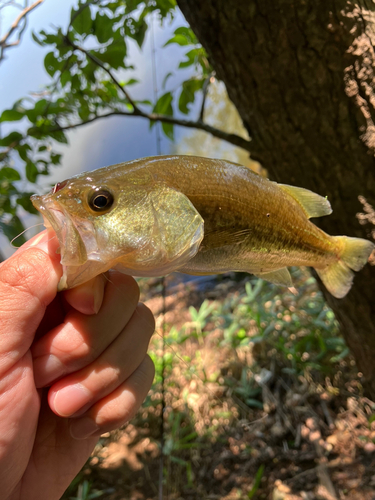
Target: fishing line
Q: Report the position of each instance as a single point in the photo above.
(23, 232)
(163, 283)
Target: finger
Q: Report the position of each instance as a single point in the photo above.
(88, 297)
(28, 283)
(80, 390)
(117, 408)
(81, 338)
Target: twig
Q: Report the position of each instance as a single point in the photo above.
(220, 134)
(234, 139)
(205, 91)
(327, 415)
(322, 469)
(4, 41)
(99, 63)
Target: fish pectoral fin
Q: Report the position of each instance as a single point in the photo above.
(218, 238)
(313, 204)
(279, 277)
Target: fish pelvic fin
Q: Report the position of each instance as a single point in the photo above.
(353, 255)
(312, 204)
(279, 277)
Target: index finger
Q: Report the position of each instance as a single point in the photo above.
(28, 283)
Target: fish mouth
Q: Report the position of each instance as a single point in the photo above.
(72, 248)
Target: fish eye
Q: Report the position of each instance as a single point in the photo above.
(101, 200)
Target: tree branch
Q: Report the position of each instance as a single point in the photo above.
(234, 139)
(16, 24)
(99, 63)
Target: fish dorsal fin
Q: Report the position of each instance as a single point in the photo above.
(313, 204)
(279, 277)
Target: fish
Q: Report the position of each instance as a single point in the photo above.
(156, 215)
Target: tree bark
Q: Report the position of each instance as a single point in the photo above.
(301, 74)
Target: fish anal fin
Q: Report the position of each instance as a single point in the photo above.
(279, 277)
(313, 204)
(337, 278)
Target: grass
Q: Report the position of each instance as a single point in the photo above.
(222, 367)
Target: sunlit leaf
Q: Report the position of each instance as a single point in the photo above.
(187, 96)
(179, 39)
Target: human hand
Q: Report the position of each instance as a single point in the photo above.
(72, 366)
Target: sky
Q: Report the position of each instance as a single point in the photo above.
(107, 141)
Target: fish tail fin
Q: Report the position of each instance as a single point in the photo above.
(353, 255)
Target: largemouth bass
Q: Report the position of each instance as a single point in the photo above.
(156, 215)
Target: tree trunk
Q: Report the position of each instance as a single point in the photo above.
(301, 74)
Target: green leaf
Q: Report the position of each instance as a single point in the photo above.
(191, 58)
(9, 174)
(188, 33)
(257, 481)
(51, 63)
(65, 77)
(59, 136)
(179, 39)
(22, 150)
(25, 202)
(168, 130)
(164, 104)
(36, 39)
(11, 138)
(55, 158)
(11, 115)
(187, 96)
(38, 110)
(132, 81)
(139, 34)
(103, 28)
(114, 54)
(82, 23)
(31, 172)
(12, 229)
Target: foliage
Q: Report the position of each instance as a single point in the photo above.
(217, 363)
(88, 63)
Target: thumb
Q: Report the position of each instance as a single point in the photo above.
(28, 283)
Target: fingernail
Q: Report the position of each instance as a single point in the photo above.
(46, 241)
(83, 428)
(47, 368)
(69, 400)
